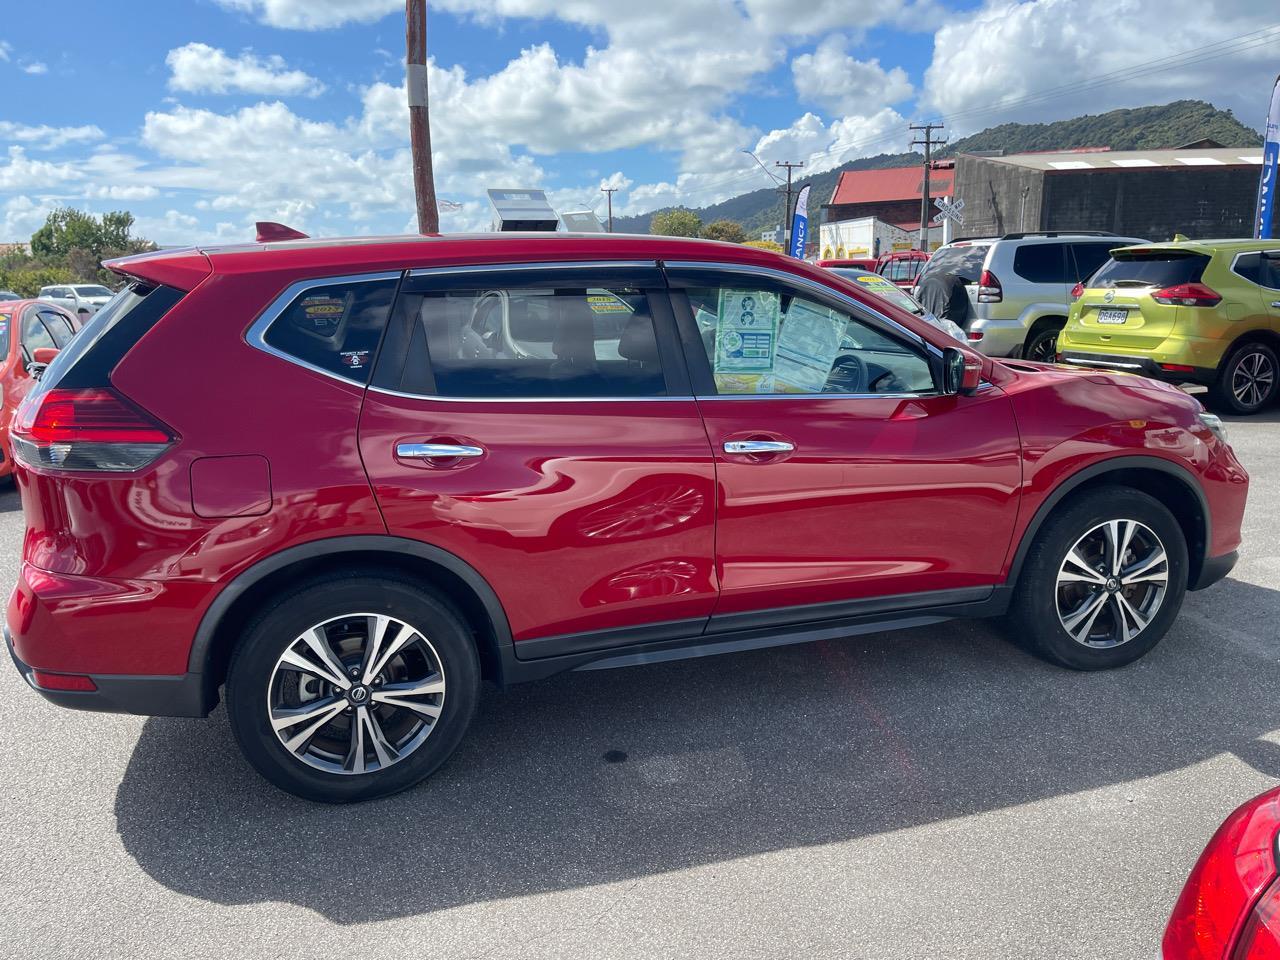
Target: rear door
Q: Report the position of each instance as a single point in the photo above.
(537, 422)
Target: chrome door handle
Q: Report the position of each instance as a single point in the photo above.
(430, 451)
(1276, 304)
(758, 446)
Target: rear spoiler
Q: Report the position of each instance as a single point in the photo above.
(182, 269)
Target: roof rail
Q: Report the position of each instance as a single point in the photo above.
(1059, 233)
(269, 231)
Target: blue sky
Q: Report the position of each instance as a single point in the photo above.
(201, 116)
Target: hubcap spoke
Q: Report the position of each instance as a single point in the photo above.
(292, 658)
(1082, 572)
(1081, 622)
(402, 637)
(1146, 569)
(299, 740)
(401, 694)
(316, 640)
(1119, 566)
(1127, 615)
(384, 751)
(290, 717)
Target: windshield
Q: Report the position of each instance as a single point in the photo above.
(93, 290)
(964, 262)
(1156, 268)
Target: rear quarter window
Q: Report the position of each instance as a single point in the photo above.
(1041, 262)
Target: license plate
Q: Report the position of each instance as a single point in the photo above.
(1112, 316)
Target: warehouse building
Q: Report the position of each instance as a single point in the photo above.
(1199, 193)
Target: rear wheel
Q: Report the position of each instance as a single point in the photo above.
(1248, 379)
(1103, 581)
(1042, 344)
(352, 688)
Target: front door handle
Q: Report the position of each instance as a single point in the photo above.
(433, 451)
(758, 446)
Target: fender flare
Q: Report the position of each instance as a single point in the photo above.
(1101, 468)
(201, 645)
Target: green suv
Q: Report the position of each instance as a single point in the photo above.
(1191, 311)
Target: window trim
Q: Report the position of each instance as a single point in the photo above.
(863, 312)
(255, 336)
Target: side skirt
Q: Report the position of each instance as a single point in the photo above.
(732, 633)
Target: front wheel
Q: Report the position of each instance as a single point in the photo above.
(350, 688)
(1103, 581)
(1248, 380)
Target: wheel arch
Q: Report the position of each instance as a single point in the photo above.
(459, 582)
(1257, 335)
(1171, 484)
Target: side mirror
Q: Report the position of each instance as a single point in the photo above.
(961, 372)
(44, 355)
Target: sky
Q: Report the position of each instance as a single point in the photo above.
(202, 116)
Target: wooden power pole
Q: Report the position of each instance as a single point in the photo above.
(424, 184)
(786, 213)
(609, 192)
(928, 143)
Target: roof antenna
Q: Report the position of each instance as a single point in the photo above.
(269, 231)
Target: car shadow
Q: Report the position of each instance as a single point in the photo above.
(10, 500)
(596, 777)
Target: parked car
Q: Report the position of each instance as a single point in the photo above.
(76, 297)
(31, 334)
(437, 460)
(856, 263)
(1229, 908)
(9, 295)
(1204, 312)
(901, 267)
(1019, 286)
(875, 283)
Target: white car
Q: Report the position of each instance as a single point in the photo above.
(77, 296)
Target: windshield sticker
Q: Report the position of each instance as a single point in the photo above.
(807, 348)
(746, 336)
(607, 304)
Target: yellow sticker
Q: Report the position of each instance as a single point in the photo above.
(605, 304)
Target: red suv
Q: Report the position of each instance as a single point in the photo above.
(343, 482)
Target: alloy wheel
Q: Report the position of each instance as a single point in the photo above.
(356, 694)
(1112, 583)
(1044, 349)
(1253, 378)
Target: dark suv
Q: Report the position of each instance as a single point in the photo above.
(344, 481)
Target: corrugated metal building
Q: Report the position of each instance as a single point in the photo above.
(1141, 193)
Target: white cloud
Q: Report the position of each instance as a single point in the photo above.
(314, 14)
(986, 64)
(831, 78)
(119, 192)
(6, 50)
(35, 67)
(23, 216)
(45, 137)
(22, 173)
(200, 68)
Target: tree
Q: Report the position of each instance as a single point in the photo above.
(63, 230)
(76, 242)
(676, 223)
(769, 245)
(730, 231)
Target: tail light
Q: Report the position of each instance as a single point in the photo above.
(93, 429)
(1187, 295)
(975, 335)
(989, 289)
(1077, 291)
(1229, 908)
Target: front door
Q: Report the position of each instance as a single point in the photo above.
(843, 473)
(537, 423)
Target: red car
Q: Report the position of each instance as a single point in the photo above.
(902, 266)
(31, 334)
(342, 482)
(857, 263)
(1230, 906)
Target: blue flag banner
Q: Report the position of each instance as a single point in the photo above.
(800, 224)
(1268, 224)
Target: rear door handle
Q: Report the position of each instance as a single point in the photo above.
(1276, 304)
(758, 446)
(432, 451)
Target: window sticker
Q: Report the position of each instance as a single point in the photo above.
(606, 303)
(746, 339)
(807, 348)
(355, 359)
(323, 315)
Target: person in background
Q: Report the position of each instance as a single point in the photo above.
(943, 295)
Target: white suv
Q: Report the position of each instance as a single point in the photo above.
(77, 296)
(1019, 285)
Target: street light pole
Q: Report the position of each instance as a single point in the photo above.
(424, 185)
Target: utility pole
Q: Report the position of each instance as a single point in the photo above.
(609, 192)
(424, 184)
(786, 214)
(928, 143)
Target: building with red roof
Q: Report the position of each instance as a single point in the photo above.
(891, 196)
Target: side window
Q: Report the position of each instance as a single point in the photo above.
(1089, 257)
(762, 341)
(34, 333)
(1250, 266)
(535, 342)
(1041, 263)
(58, 326)
(335, 327)
(1270, 271)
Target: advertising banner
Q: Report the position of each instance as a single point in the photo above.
(800, 224)
(1267, 225)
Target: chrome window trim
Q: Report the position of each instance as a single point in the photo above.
(255, 336)
(700, 399)
(1250, 253)
(466, 269)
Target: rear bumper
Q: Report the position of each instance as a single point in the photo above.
(1144, 366)
(1000, 338)
(177, 696)
(1214, 569)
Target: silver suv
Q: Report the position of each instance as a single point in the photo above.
(1019, 285)
(77, 296)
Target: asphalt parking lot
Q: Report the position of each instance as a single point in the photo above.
(929, 793)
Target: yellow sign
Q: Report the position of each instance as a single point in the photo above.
(607, 304)
(903, 245)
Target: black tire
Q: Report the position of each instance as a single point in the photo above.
(1034, 616)
(1042, 344)
(1243, 369)
(252, 680)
